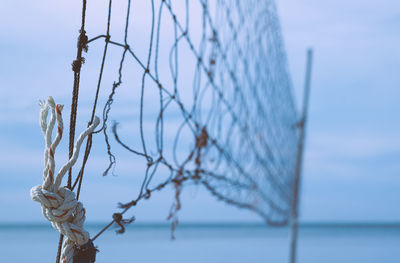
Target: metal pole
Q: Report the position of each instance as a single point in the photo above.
(301, 126)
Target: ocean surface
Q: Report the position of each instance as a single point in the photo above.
(197, 243)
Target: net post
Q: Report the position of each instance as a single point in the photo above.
(296, 186)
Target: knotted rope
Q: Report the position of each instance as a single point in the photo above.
(59, 204)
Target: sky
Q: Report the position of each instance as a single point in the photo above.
(352, 145)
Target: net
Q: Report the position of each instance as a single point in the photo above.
(213, 102)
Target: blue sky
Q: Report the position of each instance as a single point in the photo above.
(351, 164)
(353, 144)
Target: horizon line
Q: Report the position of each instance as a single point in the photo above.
(219, 224)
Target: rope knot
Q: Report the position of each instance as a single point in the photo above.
(59, 204)
(77, 64)
(118, 219)
(57, 207)
(107, 39)
(83, 41)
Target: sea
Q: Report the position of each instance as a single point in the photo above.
(201, 243)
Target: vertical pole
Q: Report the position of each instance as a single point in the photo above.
(301, 126)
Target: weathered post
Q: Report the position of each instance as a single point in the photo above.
(296, 186)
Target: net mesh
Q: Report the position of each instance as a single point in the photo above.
(214, 103)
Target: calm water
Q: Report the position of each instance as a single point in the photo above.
(213, 243)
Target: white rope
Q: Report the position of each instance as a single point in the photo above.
(59, 204)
